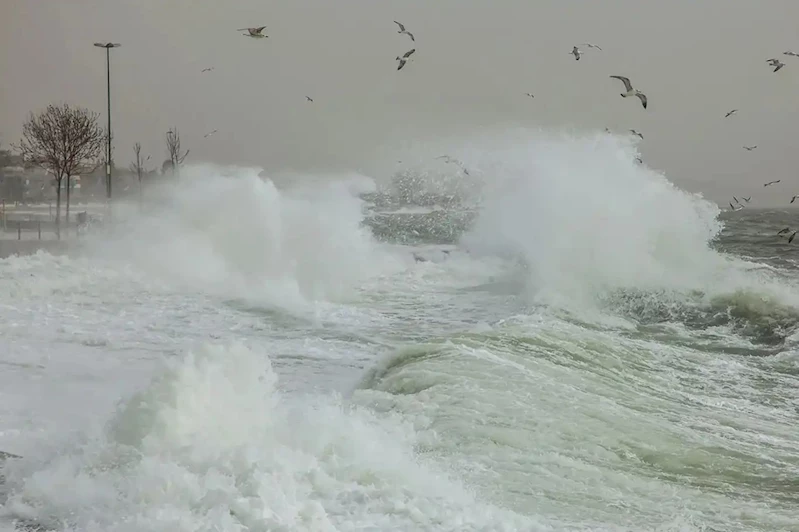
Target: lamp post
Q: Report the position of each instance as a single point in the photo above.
(108, 47)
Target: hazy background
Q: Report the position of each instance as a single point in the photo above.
(475, 60)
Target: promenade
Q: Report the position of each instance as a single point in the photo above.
(26, 229)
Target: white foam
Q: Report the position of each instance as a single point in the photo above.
(212, 445)
(233, 233)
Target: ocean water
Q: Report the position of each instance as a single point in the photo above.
(560, 339)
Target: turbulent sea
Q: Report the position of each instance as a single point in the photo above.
(558, 340)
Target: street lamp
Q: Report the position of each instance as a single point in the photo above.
(108, 47)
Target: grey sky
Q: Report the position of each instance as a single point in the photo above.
(474, 62)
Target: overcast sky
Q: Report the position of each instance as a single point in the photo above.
(696, 59)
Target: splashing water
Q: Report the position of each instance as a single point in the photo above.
(582, 351)
(212, 445)
(239, 236)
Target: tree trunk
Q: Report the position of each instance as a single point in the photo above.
(58, 209)
(67, 216)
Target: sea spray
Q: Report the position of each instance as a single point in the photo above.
(585, 217)
(240, 236)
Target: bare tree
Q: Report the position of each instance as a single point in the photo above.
(173, 150)
(137, 167)
(64, 141)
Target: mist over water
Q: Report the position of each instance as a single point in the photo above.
(548, 337)
(240, 236)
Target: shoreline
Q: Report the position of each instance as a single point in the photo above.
(9, 248)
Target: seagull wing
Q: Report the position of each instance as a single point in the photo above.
(409, 53)
(411, 36)
(401, 27)
(626, 81)
(642, 97)
(401, 64)
(256, 31)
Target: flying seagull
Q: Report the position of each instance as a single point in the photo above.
(576, 53)
(736, 207)
(453, 160)
(634, 132)
(210, 133)
(771, 182)
(529, 94)
(786, 231)
(404, 59)
(254, 32)
(776, 63)
(309, 98)
(750, 148)
(731, 113)
(588, 44)
(403, 30)
(791, 53)
(207, 69)
(630, 91)
(747, 199)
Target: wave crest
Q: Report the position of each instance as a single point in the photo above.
(213, 443)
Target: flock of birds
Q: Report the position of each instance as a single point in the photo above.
(258, 33)
(577, 52)
(737, 206)
(631, 91)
